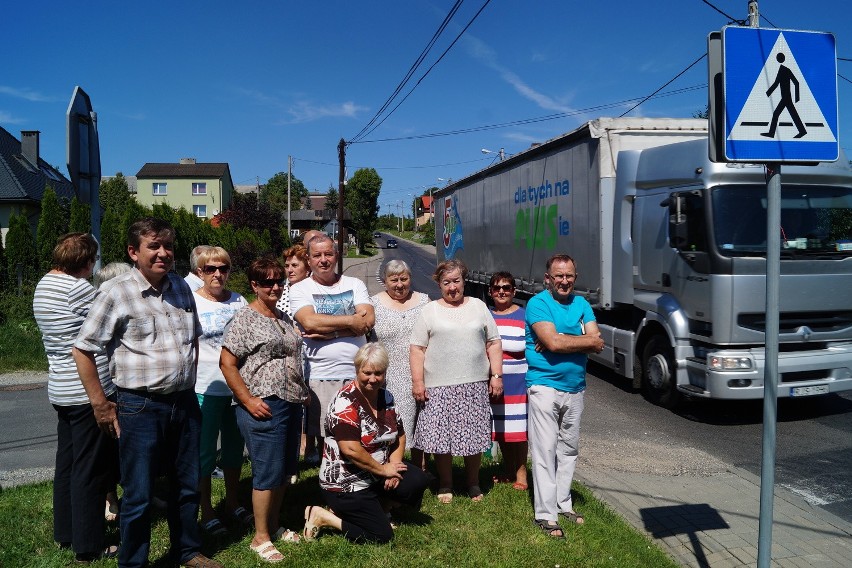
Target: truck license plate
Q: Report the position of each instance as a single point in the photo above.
(809, 391)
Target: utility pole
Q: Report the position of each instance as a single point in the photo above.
(753, 14)
(341, 231)
(289, 176)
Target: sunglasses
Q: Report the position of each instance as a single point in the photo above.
(502, 287)
(270, 282)
(210, 269)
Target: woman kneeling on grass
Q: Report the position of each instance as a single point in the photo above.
(362, 472)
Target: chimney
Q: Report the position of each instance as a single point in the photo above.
(187, 161)
(29, 146)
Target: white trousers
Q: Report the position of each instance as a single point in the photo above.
(554, 436)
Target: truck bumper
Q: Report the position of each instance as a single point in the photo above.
(802, 373)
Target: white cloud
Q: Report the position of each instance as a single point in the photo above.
(7, 118)
(484, 53)
(309, 112)
(26, 94)
(304, 111)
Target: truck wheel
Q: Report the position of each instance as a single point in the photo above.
(658, 373)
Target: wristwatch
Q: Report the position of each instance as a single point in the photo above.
(496, 376)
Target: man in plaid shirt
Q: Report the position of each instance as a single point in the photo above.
(146, 323)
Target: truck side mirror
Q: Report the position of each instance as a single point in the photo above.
(678, 226)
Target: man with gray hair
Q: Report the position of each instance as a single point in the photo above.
(335, 313)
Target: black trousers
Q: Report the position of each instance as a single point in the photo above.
(86, 466)
(363, 517)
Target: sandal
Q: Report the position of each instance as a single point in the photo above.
(87, 557)
(445, 495)
(242, 516)
(520, 486)
(286, 535)
(267, 552)
(311, 529)
(110, 514)
(214, 527)
(475, 493)
(550, 528)
(573, 517)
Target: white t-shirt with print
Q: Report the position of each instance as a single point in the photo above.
(330, 359)
(214, 317)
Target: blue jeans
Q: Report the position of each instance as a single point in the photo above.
(273, 443)
(158, 432)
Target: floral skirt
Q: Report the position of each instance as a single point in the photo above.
(455, 420)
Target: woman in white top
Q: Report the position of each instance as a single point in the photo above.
(83, 452)
(216, 306)
(456, 363)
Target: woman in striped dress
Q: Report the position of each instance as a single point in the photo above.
(510, 410)
(84, 453)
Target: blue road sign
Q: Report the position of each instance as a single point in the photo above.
(780, 95)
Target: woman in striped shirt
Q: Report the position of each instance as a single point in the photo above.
(83, 452)
(510, 409)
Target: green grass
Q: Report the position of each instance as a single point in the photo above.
(495, 532)
(21, 347)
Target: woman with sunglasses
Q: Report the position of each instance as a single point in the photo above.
(262, 364)
(509, 410)
(216, 306)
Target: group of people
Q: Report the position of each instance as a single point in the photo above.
(154, 375)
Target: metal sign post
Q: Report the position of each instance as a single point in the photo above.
(772, 100)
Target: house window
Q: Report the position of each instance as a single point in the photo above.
(199, 210)
(159, 188)
(199, 188)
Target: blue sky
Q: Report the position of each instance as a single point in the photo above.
(250, 83)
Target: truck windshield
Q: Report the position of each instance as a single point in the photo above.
(815, 221)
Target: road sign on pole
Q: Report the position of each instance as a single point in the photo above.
(84, 156)
(780, 89)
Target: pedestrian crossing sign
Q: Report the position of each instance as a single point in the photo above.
(780, 95)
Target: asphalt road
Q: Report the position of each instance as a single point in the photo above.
(27, 434)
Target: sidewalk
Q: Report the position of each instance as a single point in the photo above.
(712, 521)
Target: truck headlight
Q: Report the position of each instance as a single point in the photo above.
(718, 363)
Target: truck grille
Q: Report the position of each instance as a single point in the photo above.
(791, 321)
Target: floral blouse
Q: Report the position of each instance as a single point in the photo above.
(268, 353)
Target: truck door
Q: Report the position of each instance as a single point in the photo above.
(688, 273)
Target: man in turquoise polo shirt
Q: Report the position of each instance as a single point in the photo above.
(560, 332)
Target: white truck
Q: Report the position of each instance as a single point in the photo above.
(671, 252)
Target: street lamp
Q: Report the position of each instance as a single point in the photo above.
(501, 153)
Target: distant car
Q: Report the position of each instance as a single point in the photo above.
(392, 244)
(377, 235)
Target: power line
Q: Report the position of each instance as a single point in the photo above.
(703, 55)
(412, 69)
(524, 121)
(730, 18)
(475, 16)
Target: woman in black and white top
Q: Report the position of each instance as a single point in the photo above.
(84, 453)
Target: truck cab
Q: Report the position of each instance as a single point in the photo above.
(693, 234)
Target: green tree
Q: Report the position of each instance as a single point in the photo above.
(114, 193)
(113, 242)
(332, 198)
(51, 226)
(275, 193)
(702, 113)
(362, 200)
(21, 249)
(80, 217)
